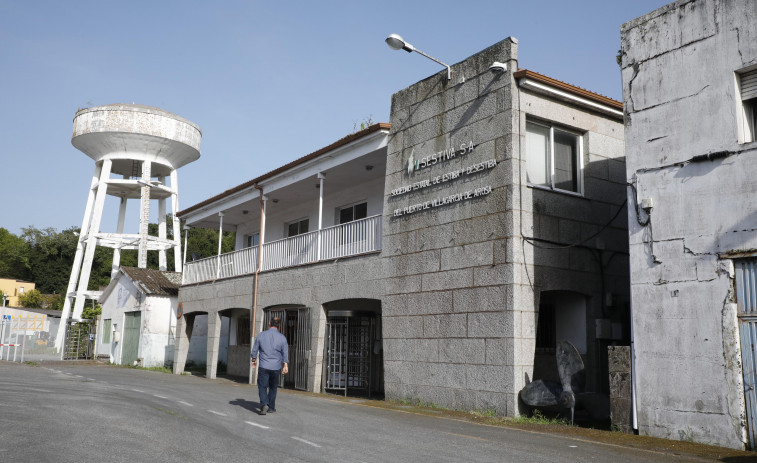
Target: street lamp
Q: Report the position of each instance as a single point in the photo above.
(396, 42)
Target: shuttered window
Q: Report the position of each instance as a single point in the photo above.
(748, 84)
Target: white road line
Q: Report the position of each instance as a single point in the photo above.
(217, 413)
(258, 425)
(186, 403)
(159, 396)
(305, 441)
(79, 376)
(137, 390)
(90, 379)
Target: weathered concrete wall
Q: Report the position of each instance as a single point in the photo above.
(620, 388)
(679, 90)
(452, 335)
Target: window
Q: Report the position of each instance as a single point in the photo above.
(297, 228)
(553, 158)
(352, 213)
(243, 331)
(252, 240)
(106, 331)
(748, 92)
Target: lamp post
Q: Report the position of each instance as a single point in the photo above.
(396, 42)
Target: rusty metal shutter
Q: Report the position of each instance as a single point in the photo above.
(749, 85)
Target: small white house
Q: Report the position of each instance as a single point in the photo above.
(138, 321)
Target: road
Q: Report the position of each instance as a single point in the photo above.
(92, 413)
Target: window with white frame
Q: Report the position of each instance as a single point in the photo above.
(252, 240)
(553, 157)
(748, 116)
(352, 213)
(297, 228)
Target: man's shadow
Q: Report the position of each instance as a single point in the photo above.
(246, 404)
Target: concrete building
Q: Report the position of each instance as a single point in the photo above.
(11, 289)
(690, 91)
(138, 320)
(437, 258)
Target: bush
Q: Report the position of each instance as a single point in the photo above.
(31, 299)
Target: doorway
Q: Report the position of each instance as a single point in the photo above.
(295, 326)
(354, 363)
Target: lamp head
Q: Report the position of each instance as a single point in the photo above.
(498, 67)
(396, 42)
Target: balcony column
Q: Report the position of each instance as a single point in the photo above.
(220, 238)
(184, 265)
(162, 229)
(321, 178)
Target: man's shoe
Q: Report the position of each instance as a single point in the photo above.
(271, 410)
(264, 410)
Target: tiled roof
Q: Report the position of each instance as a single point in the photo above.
(578, 91)
(154, 282)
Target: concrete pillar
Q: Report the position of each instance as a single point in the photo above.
(119, 230)
(92, 232)
(78, 257)
(162, 233)
(144, 214)
(184, 327)
(214, 343)
(175, 220)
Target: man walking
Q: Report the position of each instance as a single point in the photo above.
(274, 350)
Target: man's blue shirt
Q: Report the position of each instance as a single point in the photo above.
(273, 349)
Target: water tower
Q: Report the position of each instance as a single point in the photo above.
(135, 149)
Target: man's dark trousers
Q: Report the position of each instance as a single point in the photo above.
(268, 383)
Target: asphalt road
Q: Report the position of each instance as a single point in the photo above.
(92, 413)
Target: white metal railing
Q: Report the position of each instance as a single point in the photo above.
(349, 239)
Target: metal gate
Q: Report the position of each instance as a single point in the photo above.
(348, 353)
(130, 342)
(295, 326)
(80, 339)
(746, 298)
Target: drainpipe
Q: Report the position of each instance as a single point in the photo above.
(257, 272)
(220, 238)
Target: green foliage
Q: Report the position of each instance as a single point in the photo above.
(538, 418)
(31, 299)
(51, 257)
(14, 256)
(91, 310)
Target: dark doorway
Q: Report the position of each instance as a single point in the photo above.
(295, 326)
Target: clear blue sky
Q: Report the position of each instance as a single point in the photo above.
(267, 82)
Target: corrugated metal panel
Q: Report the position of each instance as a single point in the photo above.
(746, 290)
(749, 85)
(749, 366)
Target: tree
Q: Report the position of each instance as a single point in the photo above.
(51, 257)
(31, 299)
(14, 256)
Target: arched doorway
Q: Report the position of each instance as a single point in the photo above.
(354, 360)
(295, 326)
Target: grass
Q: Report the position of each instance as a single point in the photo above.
(538, 418)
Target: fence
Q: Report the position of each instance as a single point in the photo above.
(28, 337)
(349, 239)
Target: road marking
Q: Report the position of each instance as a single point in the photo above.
(159, 396)
(305, 441)
(466, 436)
(217, 413)
(137, 390)
(258, 425)
(79, 376)
(573, 446)
(186, 403)
(90, 379)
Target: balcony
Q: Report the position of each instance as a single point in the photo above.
(350, 239)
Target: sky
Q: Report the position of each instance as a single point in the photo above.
(267, 82)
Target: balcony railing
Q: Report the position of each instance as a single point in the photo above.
(350, 239)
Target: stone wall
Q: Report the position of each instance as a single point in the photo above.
(450, 332)
(620, 388)
(679, 67)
